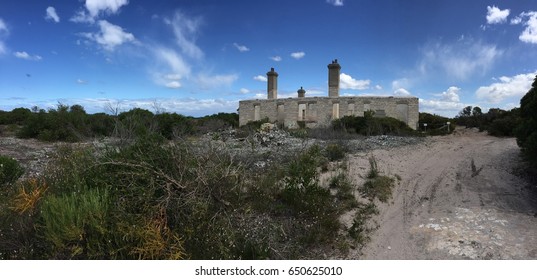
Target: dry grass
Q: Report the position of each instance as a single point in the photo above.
(29, 194)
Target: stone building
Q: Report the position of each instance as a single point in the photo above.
(320, 111)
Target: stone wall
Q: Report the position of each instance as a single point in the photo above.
(320, 111)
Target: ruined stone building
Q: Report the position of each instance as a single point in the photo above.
(320, 111)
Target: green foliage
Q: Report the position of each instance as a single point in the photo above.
(301, 185)
(334, 151)
(10, 170)
(172, 125)
(436, 125)
(344, 191)
(373, 168)
(158, 200)
(496, 121)
(376, 185)
(526, 132)
(227, 119)
(65, 123)
(17, 116)
(359, 230)
(75, 224)
(370, 125)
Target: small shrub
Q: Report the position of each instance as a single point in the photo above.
(359, 230)
(10, 170)
(335, 152)
(369, 125)
(29, 194)
(373, 170)
(344, 191)
(379, 187)
(76, 224)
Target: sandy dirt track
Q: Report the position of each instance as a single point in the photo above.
(458, 198)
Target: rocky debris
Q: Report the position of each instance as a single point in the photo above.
(388, 141)
(33, 155)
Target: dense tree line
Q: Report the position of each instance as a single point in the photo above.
(526, 131)
(496, 122)
(73, 123)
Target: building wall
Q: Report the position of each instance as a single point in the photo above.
(320, 111)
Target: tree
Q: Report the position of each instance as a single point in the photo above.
(476, 112)
(526, 131)
(466, 112)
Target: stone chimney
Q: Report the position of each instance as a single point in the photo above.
(301, 93)
(333, 78)
(272, 84)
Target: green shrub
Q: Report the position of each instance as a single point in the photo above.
(436, 125)
(359, 230)
(10, 170)
(376, 185)
(153, 199)
(526, 132)
(75, 224)
(370, 125)
(344, 191)
(335, 152)
(379, 187)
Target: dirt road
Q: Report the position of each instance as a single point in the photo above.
(458, 198)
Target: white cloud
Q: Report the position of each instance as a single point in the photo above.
(276, 58)
(173, 84)
(451, 95)
(529, 35)
(401, 92)
(444, 108)
(175, 62)
(298, 55)
(25, 55)
(260, 78)
(460, 60)
(186, 29)
(516, 20)
(4, 31)
(241, 48)
(507, 87)
(3, 26)
(447, 103)
(378, 87)
(81, 82)
(335, 2)
(173, 77)
(348, 82)
(82, 17)
(244, 90)
(216, 81)
(400, 83)
(95, 8)
(110, 36)
(495, 15)
(176, 67)
(52, 15)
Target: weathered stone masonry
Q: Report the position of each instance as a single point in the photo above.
(320, 111)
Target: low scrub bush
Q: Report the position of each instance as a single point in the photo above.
(10, 170)
(335, 152)
(155, 199)
(369, 125)
(376, 185)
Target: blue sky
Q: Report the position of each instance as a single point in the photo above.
(199, 57)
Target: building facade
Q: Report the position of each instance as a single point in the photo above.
(320, 111)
